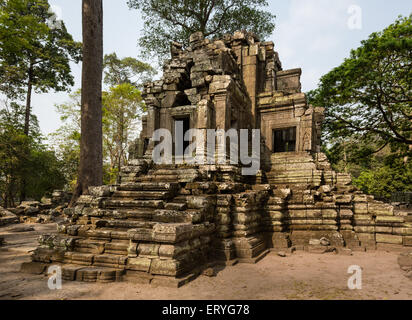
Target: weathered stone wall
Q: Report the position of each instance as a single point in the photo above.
(317, 202)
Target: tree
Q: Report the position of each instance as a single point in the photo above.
(166, 21)
(122, 106)
(91, 149)
(368, 109)
(121, 109)
(386, 178)
(24, 159)
(126, 70)
(34, 54)
(66, 140)
(370, 94)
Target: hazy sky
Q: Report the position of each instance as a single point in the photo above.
(311, 34)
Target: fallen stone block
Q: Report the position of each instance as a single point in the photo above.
(407, 241)
(405, 261)
(281, 254)
(33, 267)
(344, 251)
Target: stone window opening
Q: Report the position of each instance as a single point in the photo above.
(181, 143)
(284, 140)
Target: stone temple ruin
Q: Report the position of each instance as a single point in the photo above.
(168, 223)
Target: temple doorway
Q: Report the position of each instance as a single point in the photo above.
(181, 126)
(284, 140)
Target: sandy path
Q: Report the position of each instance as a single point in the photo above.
(298, 276)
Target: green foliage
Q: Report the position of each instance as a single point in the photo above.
(44, 173)
(31, 49)
(370, 93)
(379, 173)
(368, 108)
(25, 158)
(122, 109)
(126, 70)
(383, 181)
(166, 21)
(66, 140)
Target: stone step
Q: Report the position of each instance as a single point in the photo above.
(165, 172)
(112, 203)
(178, 206)
(298, 181)
(148, 186)
(126, 224)
(117, 247)
(294, 173)
(159, 178)
(89, 246)
(285, 167)
(180, 199)
(173, 216)
(143, 195)
(296, 157)
(175, 167)
(140, 214)
(75, 272)
(114, 247)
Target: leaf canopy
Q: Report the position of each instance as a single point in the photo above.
(166, 21)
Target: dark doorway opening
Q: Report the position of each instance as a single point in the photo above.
(180, 143)
(284, 140)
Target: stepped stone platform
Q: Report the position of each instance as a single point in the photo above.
(313, 202)
(166, 223)
(157, 231)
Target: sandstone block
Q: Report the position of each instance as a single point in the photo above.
(139, 264)
(380, 209)
(387, 238)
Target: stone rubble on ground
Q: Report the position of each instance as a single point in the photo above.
(282, 254)
(45, 211)
(7, 217)
(405, 263)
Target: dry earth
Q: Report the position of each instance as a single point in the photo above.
(298, 276)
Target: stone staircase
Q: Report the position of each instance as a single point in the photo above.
(293, 168)
(311, 201)
(154, 229)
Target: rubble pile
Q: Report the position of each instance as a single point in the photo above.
(45, 211)
(7, 217)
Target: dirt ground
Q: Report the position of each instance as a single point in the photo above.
(300, 275)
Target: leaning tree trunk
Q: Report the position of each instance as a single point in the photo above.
(91, 149)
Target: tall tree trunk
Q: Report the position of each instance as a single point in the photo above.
(91, 144)
(27, 126)
(28, 102)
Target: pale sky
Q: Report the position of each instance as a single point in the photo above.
(311, 34)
